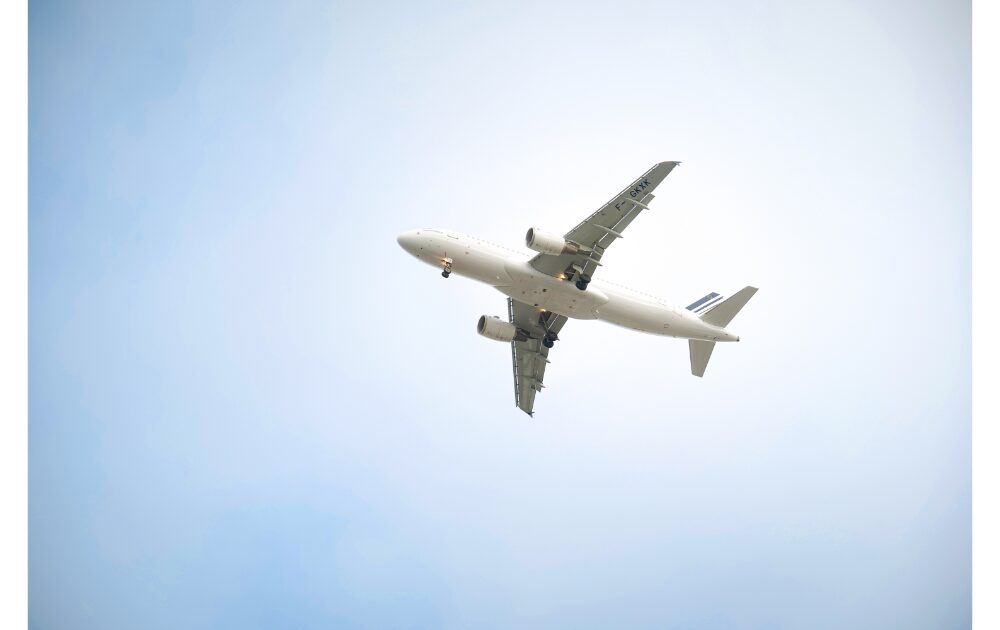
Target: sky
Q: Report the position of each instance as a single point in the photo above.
(248, 407)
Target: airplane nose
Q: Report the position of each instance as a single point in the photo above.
(407, 240)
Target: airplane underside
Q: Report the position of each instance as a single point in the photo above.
(547, 289)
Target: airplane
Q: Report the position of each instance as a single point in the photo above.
(556, 284)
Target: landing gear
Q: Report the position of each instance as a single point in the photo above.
(447, 268)
(582, 281)
(445, 273)
(549, 339)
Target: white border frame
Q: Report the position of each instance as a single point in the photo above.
(985, 347)
(14, 314)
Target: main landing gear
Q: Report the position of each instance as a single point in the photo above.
(447, 268)
(582, 281)
(549, 339)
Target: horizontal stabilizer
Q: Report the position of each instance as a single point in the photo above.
(726, 310)
(701, 352)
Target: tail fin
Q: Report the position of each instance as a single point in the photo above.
(719, 312)
(705, 303)
(726, 310)
(701, 352)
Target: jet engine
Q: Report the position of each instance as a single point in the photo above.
(493, 327)
(547, 243)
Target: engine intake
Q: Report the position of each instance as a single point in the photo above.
(492, 327)
(548, 243)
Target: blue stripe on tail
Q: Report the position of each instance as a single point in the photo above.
(709, 305)
(708, 297)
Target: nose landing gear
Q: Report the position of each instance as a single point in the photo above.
(447, 268)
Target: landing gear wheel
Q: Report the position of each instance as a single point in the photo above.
(580, 284)
(549, 339)
(445, 273)
(582, 281)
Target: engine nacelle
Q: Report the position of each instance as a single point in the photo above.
(493, 327)
(548, 243)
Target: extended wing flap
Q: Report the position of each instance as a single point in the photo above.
(530, 356)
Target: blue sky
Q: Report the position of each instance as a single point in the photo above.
(250, 408)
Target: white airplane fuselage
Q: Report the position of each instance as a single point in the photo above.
(509, 272)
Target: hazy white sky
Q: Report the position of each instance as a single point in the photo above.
(250, 408)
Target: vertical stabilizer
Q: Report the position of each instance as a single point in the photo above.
(727, 309)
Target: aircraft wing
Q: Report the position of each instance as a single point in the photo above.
(602, 228)
(529, 356)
